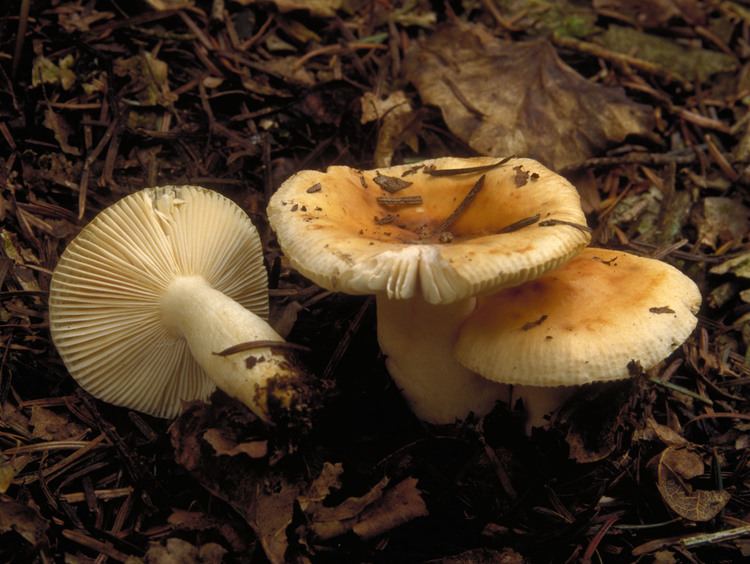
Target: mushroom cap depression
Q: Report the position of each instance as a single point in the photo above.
(581, 323)
(411, 229)
(105, 294)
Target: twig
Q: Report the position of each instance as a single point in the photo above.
(251, 345)
(23, 24)
(601, 52)
(461, 207)
(346, 339)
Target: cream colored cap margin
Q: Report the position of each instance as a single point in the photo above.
(581, 323)
(105, 292)
(334, 228)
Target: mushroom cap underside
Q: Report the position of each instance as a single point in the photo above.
(105, 293)
(583, 322)
(397, 230)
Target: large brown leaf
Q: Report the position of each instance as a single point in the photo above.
(675, 467)
(519, 98)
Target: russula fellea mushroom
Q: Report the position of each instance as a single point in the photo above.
(149, 293)
(581, 323)
(426, 239)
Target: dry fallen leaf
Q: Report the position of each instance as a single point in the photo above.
(149, 77)
(723, 220)
(374, 513)
(223, 444)
(50, 426)
(44, 71)
(400, 504)
(519, 98)
(394, 114)
(23, 520)
(674, 468)
(739, 266)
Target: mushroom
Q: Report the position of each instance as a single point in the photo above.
(426, 239)
(581, 323)
(148, 300)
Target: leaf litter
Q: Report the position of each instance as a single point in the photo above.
(237, 96)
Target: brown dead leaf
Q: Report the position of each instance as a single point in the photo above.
(59, 126)
(223, 444)
(74, 16)
(22, 519)
(400, 504)
(376, 512)
(519, 98)
(723, 220)
(674, 468)
(654, 430)
(394, 114)
(264, 498)
(198, 521)
(50, 426)
(149, 78)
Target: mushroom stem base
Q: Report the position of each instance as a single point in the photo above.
(418, 339)
(263, 378)
(540, 402)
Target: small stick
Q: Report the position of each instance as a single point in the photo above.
(461, 208)
(551, 222)
(400, 201)
(250, 345)
(520, 224)
(467, 170)
(461, 98)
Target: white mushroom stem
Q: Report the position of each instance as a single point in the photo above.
(211, 322)
(418, 339)
(540, 401)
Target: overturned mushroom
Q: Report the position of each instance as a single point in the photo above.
(581, 323)
(426, 239)
(146, 300)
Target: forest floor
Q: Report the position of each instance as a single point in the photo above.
(642, 106)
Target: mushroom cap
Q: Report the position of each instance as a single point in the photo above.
(581, 323)
(336, 228)
(104, 304)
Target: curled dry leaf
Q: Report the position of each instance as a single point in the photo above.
(376, 512)
(394, 114)
(44, 71)
(675, 466)
(739, 266)
(519, 98)
(225, 445)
